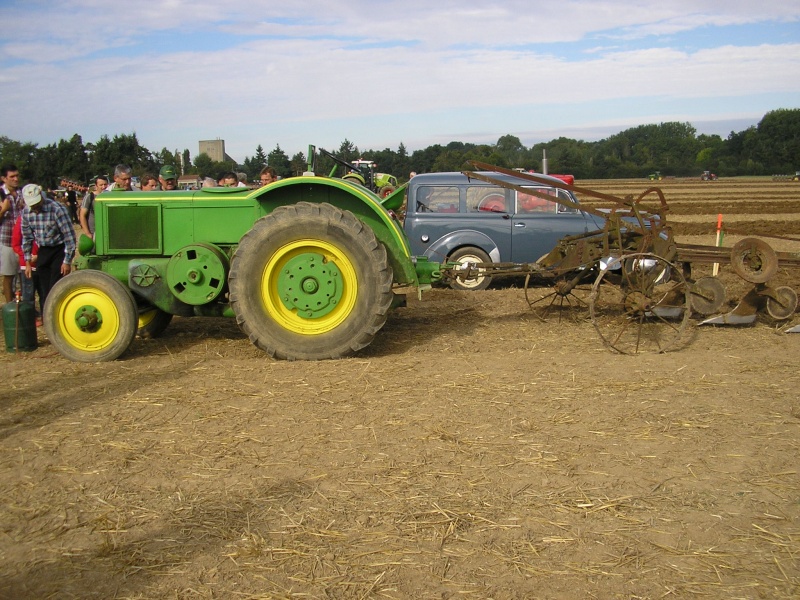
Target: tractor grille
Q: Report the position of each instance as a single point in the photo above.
(134, 228)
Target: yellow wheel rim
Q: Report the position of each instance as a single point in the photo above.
(309, 287)
(87, 319)
(146, 317)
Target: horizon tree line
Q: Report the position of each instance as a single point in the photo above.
(770, 147)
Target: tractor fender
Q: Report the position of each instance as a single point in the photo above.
(440, 249)
(360, 201)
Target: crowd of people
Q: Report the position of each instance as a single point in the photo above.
(38, 229)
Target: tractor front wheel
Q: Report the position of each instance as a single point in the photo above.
(90, 317)
(309, 282)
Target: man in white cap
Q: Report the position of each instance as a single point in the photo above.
(48, 224)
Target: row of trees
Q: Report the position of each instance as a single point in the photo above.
(773, 146)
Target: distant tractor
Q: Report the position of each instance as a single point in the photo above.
(708, 176)
(657, 176)
(795, 177)
(362, 172)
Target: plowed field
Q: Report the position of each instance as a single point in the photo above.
(471, 451)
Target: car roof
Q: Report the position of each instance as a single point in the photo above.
(457, 177)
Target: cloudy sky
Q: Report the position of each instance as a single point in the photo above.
(382, 72)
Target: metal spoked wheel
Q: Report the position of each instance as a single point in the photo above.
(568, 296)
(641, 305)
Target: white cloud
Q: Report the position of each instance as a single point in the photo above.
(385, 71)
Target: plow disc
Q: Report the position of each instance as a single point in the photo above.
(782, 303)
(779, 303)
(707, 295)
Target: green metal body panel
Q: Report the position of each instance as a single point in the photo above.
(394, 201)
(138, 233)
(382, 179)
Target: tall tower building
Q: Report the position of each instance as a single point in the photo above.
(214, 148)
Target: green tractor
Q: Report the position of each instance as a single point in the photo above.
(655, 176)
(308, 267)
(363, 173)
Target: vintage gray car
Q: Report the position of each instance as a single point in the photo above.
(450, 217)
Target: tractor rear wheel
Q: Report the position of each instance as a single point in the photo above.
(90, 317)
(309, 282)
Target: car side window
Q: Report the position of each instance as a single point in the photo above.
(562, 209)
(483, 198)
(528, 203)
(437, 199)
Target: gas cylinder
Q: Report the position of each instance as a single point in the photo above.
(19, 326)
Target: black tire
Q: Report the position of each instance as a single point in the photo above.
(466, 255)
(310, 282)
(354, 179)
(90, 317)
(152, 322)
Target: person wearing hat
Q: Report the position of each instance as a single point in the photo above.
(47, 223)
(168, 178)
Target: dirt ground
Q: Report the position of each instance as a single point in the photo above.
(471, 451)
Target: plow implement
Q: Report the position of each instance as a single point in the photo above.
(756, 262)
(634, 278)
